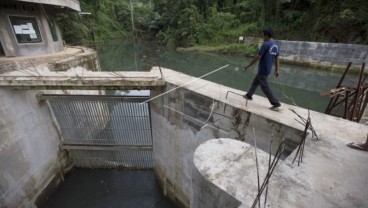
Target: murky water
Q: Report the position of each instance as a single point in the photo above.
(96, 188)
(296, 83)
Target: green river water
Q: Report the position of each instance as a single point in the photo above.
(302, 84)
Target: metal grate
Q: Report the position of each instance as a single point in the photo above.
(105, 131)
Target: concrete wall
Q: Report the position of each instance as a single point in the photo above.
(175, 137)
(207, 194)
(328, 54)
(8, 39)
(318, 54)
(87, 60)
(31, 161)
(30, 158)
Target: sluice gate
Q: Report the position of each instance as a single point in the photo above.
(101, 131)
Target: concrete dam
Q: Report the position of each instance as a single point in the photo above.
(67, 142)
(68, 139)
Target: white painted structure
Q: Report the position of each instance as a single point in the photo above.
(71, 4)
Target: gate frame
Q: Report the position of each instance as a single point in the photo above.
(44, 97)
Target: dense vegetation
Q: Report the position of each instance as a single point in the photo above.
(217, 22)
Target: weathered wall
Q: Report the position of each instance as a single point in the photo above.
(87, 60)
(7, 36)
(20, 63)
(30, 158)
(175, 137)
(31, 162)
(324, 54)
(318, 54)
(207, 194)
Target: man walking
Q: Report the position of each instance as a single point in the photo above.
(267, 55)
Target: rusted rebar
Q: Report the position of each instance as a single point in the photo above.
(333, 101)
(273, 165)
(304, 122)
(255, 152)
(269, 166)
(358, 92)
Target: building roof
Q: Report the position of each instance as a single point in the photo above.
(71, 4)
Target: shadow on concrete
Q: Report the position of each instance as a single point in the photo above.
(109, 188)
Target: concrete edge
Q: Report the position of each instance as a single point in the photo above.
(221, 198)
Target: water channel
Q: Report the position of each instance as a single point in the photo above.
(296, 84)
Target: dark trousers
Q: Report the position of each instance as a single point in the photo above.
(262, 80)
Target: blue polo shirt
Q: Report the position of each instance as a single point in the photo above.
(268, 51)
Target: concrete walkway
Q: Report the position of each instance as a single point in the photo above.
(78, 78)
(331, 175)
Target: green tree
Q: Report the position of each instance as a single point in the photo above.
(188, 22)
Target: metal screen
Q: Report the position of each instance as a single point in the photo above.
(105, 131)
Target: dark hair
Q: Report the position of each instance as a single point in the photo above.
(268, 32)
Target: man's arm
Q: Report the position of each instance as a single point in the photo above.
(254, 60)
(277, 66)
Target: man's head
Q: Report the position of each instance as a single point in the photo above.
(268, 33)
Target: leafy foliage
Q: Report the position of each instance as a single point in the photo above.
(216, 22)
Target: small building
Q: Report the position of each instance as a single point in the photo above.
(28, 27)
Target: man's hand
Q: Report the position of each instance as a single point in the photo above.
(246, 68)
(277, 73)
(277, 66)
(254, 60)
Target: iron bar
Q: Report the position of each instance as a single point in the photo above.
(364, 105)
(344, 100)
(104, 147)
(358, 108)
(347, 96)
(182, 85)
(343, 75)
(55, 97)
(269, 166)
(331, 104)
(305, 136)
(227, 94)
(300, 151)
(332, 101)
(354, 100)
(358, 92)
(273, 165)
(304, 122)
(255, 152)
